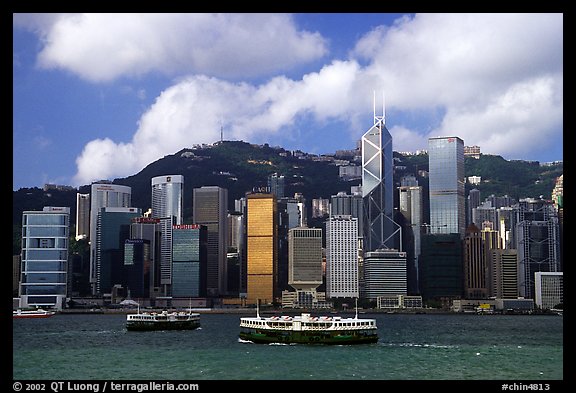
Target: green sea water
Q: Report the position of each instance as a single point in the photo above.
(410, 347)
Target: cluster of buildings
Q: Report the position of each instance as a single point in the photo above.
(376, 243)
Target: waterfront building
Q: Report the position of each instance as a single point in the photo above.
(380, 230)
(475, 269)
(44, 263)
(150, 230)
(104, 194)
(189, 257)
(261, 248)
(168, 197)
(384, 273)
(549, 289)
(342, 271)
(137, 263)
(16, 271)
(446, 185)
(538, 242)
(441, 267)
(343, 204)
(210, 208)
(503, 274)
(82, 216)
(112, 230)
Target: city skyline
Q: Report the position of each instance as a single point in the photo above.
(100, 111)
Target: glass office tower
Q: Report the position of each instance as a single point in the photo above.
(44, 257)
(446, 177)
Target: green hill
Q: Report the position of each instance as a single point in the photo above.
(240, 167)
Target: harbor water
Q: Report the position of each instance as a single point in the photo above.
(410, 347)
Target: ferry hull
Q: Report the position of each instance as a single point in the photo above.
(307, 337)
(173, 325)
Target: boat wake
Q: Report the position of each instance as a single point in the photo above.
(245, 341)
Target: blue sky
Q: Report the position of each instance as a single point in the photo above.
(100, 96)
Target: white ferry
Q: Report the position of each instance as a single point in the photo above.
(176, 320)
(37, 313)
(308, 329)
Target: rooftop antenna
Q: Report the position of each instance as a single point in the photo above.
(382, 118)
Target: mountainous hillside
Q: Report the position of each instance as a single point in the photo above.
(240, 167)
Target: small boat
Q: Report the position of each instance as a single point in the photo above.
(175, 320)
(307, 329)
(37, 313)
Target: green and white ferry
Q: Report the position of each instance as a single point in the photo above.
(308, 329)
(176, 320)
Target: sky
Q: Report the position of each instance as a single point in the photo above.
(101, 95)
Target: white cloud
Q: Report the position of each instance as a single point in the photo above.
(494, 80)
(103, 47)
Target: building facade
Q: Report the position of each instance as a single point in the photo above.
(189, 257)
(261, 248)
(82, 216)
(380, 230)
(385, 274)
(210, 208)
(446, 185)
(305, 258)
(104, 195)
(44, 257)
(342, 270)
(168, 197)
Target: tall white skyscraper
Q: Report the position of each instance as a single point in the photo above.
(342, 272)
(104, 195)
(446, 185)
(168, 197)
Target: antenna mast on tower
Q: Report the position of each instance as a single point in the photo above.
(381, 118)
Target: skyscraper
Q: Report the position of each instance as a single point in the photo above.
(45, 235)
(475, 269)
(168, 197)
(342, 270)
(411, 208)
(112, 230)
(104, 195)
(446, 185)
(380, 230)
(384, 273)
(305, 258)
(261, 248)
(189, 260)
(538, 242)
(210, 208)
(82, 216)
